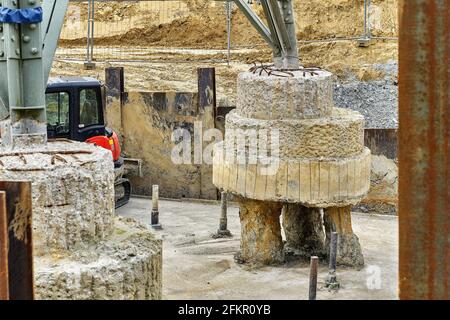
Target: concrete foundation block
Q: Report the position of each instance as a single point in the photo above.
(303, 96)
(72, 189)
(311, 182)
(286, 145)
(339, 135)
(82, 251)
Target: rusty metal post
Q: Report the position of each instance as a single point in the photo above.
(19, 240)
(115, 82)
(423, 148)
(207, 103)
(331, 281)
(223, 231)
(313, 278)
(4, 279)
(223, 208)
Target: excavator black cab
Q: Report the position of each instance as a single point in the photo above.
(75, 111)
(74, 108)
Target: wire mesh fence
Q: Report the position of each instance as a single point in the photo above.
(145, 30)
(202, 30)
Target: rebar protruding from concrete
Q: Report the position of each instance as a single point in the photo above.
(313, 278)
(155, 208)
(331, 281)
(223, 226)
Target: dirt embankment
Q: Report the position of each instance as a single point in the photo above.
(205, 23)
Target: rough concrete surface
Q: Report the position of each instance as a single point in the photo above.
(73, 193)
(312, 182)
(81, 250)
(349, 249)
(269, 97)
(304, 231)
(199, 267)
(260, 232)
(383, 193)
(126, 266)
(147, 121)
(339, 135)
(320, 161)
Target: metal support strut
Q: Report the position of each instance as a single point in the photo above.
(280, 33)
(26, 56)
(22, 89)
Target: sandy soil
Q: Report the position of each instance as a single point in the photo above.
(155, 36)
(202, 23)
(174, 69)
(199, 267)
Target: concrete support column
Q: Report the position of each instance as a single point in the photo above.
(304, 230)
(261, 240)
(349, 251)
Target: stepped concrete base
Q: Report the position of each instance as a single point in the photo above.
(82, 251)
(286, 145)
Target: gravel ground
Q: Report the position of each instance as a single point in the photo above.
(377, 100)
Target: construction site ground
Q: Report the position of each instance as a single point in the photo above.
(197, 266)
(174, 69)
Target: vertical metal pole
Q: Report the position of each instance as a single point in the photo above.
(365, 40)
(155, 208)
(333, 250)
(23, 80)
(229, 6)
(4, 243)
(423, 149)
(20, 239)
(292, 57)
(365, 19)
(223, 217)
(88, 42)
(369, 28)
(92, 30)
(89, 64)
(223, 226)
(313, 278)
(331, 281)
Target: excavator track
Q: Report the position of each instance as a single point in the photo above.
(122, 190)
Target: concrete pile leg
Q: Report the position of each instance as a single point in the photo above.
(261, 240)
(303, 227)
(349, 251)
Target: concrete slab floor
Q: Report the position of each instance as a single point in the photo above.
(196, 266)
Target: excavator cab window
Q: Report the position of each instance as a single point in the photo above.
(89, 108)
(58, 123)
